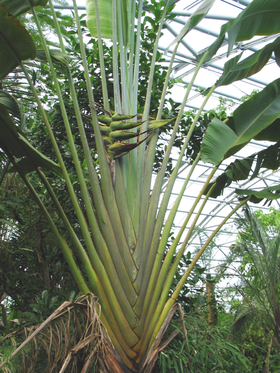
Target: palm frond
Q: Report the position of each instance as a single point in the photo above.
(264, 253)
(246, 315)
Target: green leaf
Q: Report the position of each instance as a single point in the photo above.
(72, 296)
(270, 133)
(56, 56)
(277, 57)
(257, 196)
(105, 18)
(213, 149)
(53, 301)
(17, 7)
(31, 317)
(234, 71)
(16, 44)
(7, 222)
(223, 139)
(11, 104)
(176, 366)
(25, 249)
(181, 365)
(45, 296)
(14, 141)
(260, 17)
(268, 158)
(238, 170)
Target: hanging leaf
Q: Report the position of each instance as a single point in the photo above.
(268, 158)
(257, 196)
(16, 44)
(11, 104)
(56, 56)
(13, 140)
(223, 139)
(259, 18)
(270, 133)
(17, 7)
(240, 169)
(235, 70)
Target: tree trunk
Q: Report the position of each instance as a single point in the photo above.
(43, 260)
(211, 304)
(266, 368)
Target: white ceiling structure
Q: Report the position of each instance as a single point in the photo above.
(193, 44)
(201, 37)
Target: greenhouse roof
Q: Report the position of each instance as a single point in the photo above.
(192, 45)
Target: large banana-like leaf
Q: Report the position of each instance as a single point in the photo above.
(14, 141)
(240, 169)
(256, 196)
(270, 133)
(268, 158)
(224, 139)
(105, 17)
(259, 18)
(15, 43)
(17, 7)
(235, 70)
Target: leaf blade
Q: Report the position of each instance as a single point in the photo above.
(17, 7)
(223, 139)
(105, 18)
(16, 44)
(14, 141)
(258, 18)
